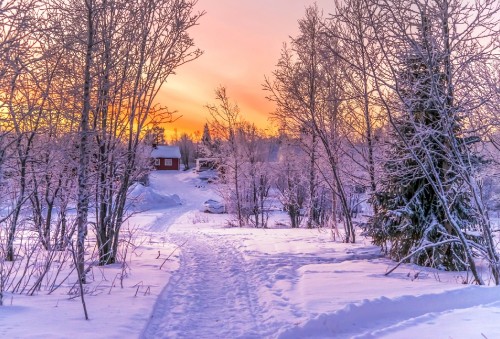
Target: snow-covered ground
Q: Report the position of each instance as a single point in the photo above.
(191, 276)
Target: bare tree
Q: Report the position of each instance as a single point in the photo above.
(307, 88)
(352, 42)
(290, 180)
(26, 82)
(243, 157)
(256, 172)
(122, 53)
(187, 149)
(225, 124)
(140, 53)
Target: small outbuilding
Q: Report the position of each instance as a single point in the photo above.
(166, 157)
(203, 164)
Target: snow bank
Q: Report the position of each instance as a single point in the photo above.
(383, 316)
(146, 198)
(117, 308)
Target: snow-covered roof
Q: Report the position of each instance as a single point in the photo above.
(162, 151)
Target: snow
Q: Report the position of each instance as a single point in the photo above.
(400, 317)
(143, 198)
(162, 151)
(192, 276)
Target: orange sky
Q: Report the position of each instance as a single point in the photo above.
(241, 40)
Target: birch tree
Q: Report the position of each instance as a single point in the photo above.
(290, 181)
(256, 173)
(351, 40)
(123, 52)
(139, 54)
(187, 148)
(25, 86)
(225, 123)
(307, 88)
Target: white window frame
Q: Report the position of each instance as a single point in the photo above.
(157, 162)
(168, 162)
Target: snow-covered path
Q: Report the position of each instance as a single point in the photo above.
(187, 186)
(208, 297)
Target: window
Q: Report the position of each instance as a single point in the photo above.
(157, 162)
(168, 162)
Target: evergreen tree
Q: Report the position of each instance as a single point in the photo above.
(155, 136)
(206, 139)
(206, 142)
(422, 156)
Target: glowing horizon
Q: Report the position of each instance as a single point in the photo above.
(242, 41)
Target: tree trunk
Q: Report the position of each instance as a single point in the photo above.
(82, 203)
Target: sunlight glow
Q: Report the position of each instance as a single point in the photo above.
(241, 41)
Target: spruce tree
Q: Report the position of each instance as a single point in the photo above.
(422, 156)
(207, 146)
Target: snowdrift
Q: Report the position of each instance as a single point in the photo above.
(143, 198)
(383, 316)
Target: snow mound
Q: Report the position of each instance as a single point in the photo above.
(141, 197)
(381, 316)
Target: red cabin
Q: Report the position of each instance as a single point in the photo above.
(166, 157)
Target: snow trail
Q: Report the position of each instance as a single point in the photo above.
(208, 296)
(186, 186)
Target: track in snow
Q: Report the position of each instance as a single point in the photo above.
(208, 296)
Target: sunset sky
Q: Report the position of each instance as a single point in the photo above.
(241, 41)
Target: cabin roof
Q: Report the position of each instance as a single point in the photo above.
(162, 151)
